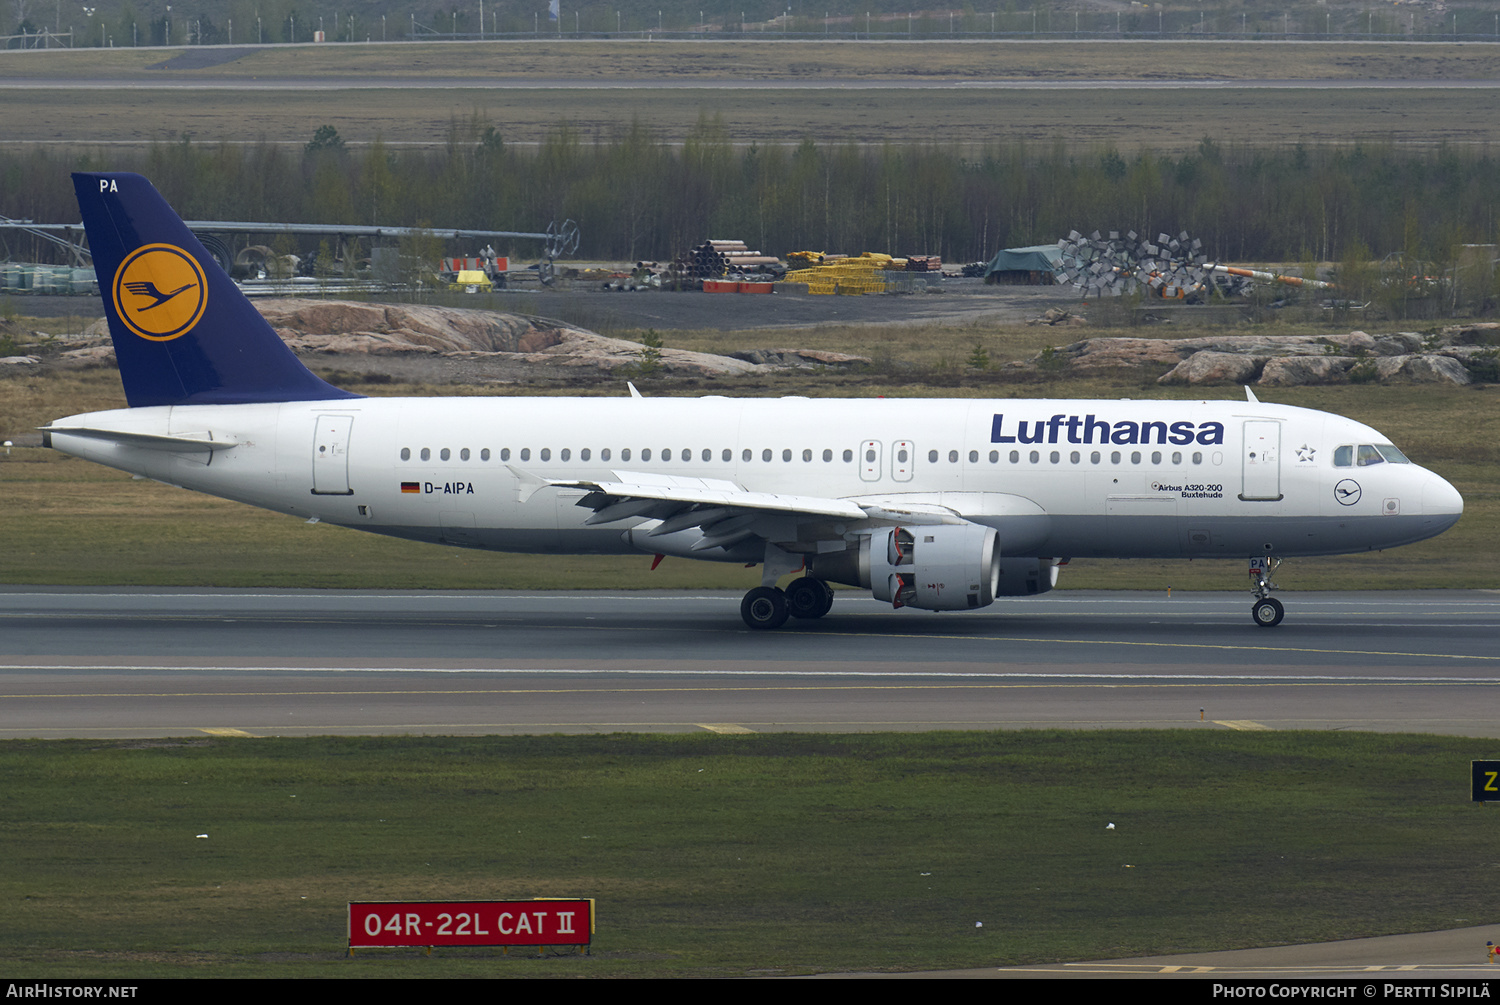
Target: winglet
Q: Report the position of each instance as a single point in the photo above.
(1250, 396)
(184, 334)
(633, 392)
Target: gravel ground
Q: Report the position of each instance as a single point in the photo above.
(961, 301)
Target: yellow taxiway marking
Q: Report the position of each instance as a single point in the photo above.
(722, 727)
(1241, 724)
(761, 688)
(1157, 645)
(223, 731)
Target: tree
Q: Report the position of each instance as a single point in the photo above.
(325, 139)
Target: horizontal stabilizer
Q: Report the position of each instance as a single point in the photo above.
(182, 443)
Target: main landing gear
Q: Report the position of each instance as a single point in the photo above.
(766, 607)
(1267, 610)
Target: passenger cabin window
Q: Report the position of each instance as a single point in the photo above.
(406, 453)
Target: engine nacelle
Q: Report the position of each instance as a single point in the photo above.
(1027, 577)
(946, 567)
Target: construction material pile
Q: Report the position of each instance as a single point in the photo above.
(847, 276)
(1171, 268)
(714, 259)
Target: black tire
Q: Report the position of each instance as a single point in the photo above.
(1268, 612)
(764, 608)
(808, 598)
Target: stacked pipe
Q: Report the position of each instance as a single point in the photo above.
(712, 259)
(924, 263)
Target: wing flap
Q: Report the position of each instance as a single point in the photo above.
(689, 492)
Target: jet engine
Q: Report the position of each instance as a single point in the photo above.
(934, 568)
(949, 567)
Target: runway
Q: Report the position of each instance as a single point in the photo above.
(141, 663)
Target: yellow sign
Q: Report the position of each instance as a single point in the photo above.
(160, 292)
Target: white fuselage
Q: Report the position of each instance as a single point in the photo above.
(1056, 478)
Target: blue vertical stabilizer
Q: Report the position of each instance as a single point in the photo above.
(183, 332)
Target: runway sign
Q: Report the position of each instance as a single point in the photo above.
(1485, 781)
(471, 923)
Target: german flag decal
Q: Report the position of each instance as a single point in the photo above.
(411, 487)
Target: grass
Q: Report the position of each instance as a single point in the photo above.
(233, 106)
(800, 60)
(1129, 120)
(733, 856)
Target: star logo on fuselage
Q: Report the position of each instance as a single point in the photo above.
(1305, 453)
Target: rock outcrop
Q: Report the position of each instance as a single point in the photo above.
(333, 327)
(1285, 360)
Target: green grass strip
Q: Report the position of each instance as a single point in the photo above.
(734, 855)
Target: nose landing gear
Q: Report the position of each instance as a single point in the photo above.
(1267, 611)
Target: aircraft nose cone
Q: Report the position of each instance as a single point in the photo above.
(1441, 500)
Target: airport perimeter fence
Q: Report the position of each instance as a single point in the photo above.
(1478, 26)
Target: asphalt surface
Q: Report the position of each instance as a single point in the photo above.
(86, 662)
(1363, 966)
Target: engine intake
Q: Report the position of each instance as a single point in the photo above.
(935, 568)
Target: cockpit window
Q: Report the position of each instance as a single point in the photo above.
(1367, 454)
(1391, 453)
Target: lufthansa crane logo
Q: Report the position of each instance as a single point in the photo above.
(160, 292)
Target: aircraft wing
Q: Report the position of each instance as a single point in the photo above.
(725, 512)
(674, 492)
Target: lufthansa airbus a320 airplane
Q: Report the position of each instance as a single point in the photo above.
(932, 504)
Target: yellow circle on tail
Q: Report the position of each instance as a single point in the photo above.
(160, 292)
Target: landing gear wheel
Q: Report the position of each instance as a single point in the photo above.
(1268, 612)
(808, 598)
(764, 608)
